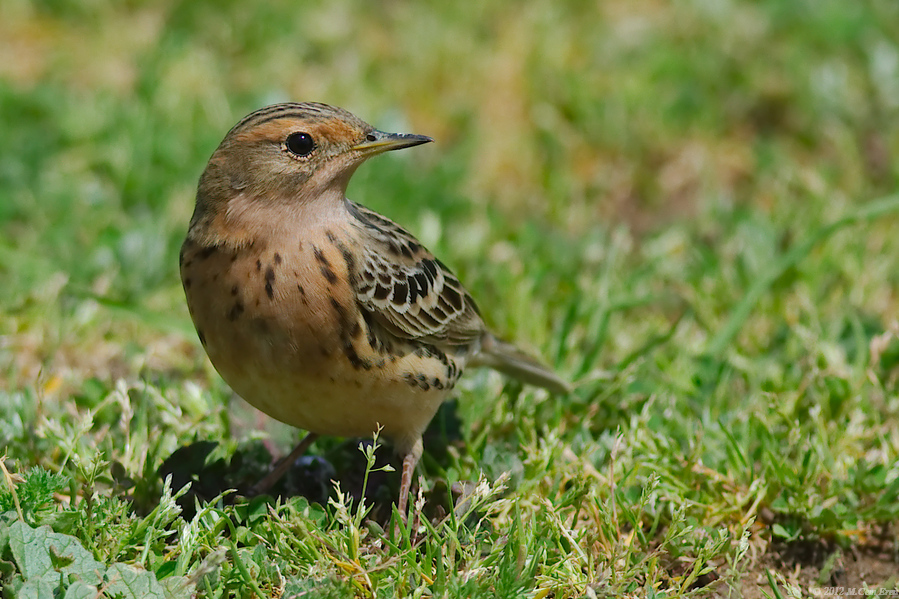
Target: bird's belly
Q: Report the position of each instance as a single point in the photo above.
(335, 401)
(296, 347)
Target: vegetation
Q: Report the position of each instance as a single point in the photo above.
(689, 208)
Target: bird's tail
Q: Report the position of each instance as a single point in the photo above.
(509, 360)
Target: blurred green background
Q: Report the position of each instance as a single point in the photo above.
(568, 120)
(638, 190)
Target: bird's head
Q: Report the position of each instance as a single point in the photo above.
(289, 155)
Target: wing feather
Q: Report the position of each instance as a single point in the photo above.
(407, 289)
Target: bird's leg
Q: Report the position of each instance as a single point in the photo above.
(283, 466)
(410, 459)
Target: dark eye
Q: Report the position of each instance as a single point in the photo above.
(300, 144)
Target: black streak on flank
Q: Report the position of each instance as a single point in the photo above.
(324, 265)
(258, 265)
(348, 258)
(235, 311)
(320, 256)
(234, 290)
(341, 312)
(277, 258)
(452, 371)
(269, 282)
(347, 332)
(420, 381)
(187, 283)
(356, 361)
(206, 252)
(342, 317)
(372, 339)
(202, 337)
(329, 274)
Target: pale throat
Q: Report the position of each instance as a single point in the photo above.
(251, 220)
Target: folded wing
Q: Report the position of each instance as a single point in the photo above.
(409, 291)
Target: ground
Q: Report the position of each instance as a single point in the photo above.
(688, 209)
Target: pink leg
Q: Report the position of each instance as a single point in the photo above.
(283, 466)
(410, 459)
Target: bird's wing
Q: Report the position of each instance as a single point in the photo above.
(409, 291)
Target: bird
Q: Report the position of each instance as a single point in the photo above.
(319, 312)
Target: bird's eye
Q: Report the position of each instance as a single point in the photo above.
(300, 144)
(370, 137)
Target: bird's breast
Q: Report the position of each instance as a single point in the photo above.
(271, 307)
(282, 326)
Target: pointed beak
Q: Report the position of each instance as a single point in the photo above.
(378, 141)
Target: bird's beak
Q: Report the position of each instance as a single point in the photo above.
(378, 141)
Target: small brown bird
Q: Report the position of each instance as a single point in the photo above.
(316, 310)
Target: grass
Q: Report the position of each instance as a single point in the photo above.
(689, 208)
